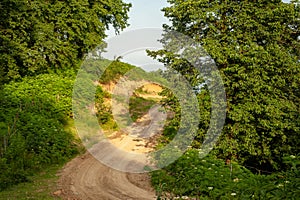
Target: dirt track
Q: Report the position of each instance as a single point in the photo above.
(87, 179)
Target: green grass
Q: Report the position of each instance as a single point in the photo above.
(139, 106)
(40, 187)
(42, 184)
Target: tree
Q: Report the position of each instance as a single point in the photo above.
(256, 47)
(38, 36)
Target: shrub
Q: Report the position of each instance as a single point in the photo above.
(211, 178)
(33, 114)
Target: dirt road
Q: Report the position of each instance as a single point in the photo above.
(85, 178)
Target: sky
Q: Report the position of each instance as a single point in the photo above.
(144, 14)
(147, 13)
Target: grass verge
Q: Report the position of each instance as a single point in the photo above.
(40, 187)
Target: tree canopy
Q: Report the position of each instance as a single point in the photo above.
(41, 43)
(38, 36)
(256, 47)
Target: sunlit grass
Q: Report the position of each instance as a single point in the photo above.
(40, 187)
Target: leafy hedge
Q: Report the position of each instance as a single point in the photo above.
(211, 178)
(33, 115)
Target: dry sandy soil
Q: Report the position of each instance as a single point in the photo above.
(86, 178)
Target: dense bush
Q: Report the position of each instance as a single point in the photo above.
(33, 115)
(259, 68)
(114, 71)
(104, 113)
(211, 178)
(139, 106)
(39, 36)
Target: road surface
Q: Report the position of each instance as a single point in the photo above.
(86, 178)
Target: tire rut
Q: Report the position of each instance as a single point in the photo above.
(85, 178)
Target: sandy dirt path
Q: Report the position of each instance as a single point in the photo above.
(86, 178)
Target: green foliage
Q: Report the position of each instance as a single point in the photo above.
(114, 71)
(255, 45)
(172, 105)
(108, 72)
(38, 36)
(139, 106)
(104, 113)
(117, 69)
(33, 114)
(211, 178)
(41, 185)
